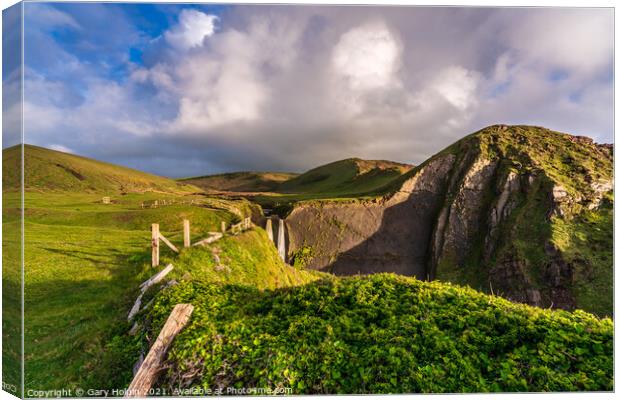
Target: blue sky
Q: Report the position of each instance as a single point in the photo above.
(193, 89)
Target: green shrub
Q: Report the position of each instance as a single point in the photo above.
(380, 334)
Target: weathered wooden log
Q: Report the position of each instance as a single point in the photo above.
(155, 278)
(172, 247)
(151, 366)
(136, 307)
(212, 238)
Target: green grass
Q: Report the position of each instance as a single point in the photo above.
(378, 334)
(84, 262)
(586, 243)
(345, 177)
(50, 170)
(11, 284)
(247, 259)
(77, 285)
(11, 306)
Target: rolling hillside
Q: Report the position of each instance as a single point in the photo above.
(521, 212)
(345, 177)
(50, 170)
(241, 181)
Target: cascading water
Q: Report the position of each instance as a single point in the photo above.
(269, 229)
(280, 244)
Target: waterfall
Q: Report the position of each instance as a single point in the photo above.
(281, 245)
(269, 229)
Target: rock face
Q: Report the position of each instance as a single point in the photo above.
(484, 212)
(387, 234)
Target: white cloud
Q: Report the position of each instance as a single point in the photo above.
(457, 86)
(230, 81)
(368, 57)
(292, 87)
(191, 30)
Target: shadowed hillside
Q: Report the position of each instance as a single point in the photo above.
(241, 181)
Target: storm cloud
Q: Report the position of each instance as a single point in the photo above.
(291, 87)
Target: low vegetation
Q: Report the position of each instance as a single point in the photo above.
(378, 334)
(247, 260)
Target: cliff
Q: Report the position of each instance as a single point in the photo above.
(520, 211)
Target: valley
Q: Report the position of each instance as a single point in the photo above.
(511, 223)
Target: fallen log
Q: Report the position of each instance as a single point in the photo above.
(151, 366)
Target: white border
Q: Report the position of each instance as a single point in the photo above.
(465, 3)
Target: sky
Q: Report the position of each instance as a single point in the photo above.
(185, 90)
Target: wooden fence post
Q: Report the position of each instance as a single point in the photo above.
(155, 245)
(223, 226)
(186, 238)
(151, 366)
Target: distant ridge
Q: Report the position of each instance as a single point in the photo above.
(349, 176)
(51, 170)
(245, 181)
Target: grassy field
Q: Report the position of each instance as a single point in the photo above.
(11, 303)
(84, 261)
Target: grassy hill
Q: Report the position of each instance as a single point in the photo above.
(376, 334)
(84, 259)
(248, 261)
(556, 232)
(241, 181)
(345, 177)
(51, 170)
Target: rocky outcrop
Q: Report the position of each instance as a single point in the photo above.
(506, 202)
(462, 214)
(390, 234)
(479, 213)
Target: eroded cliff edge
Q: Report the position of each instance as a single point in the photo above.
(509, 209)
